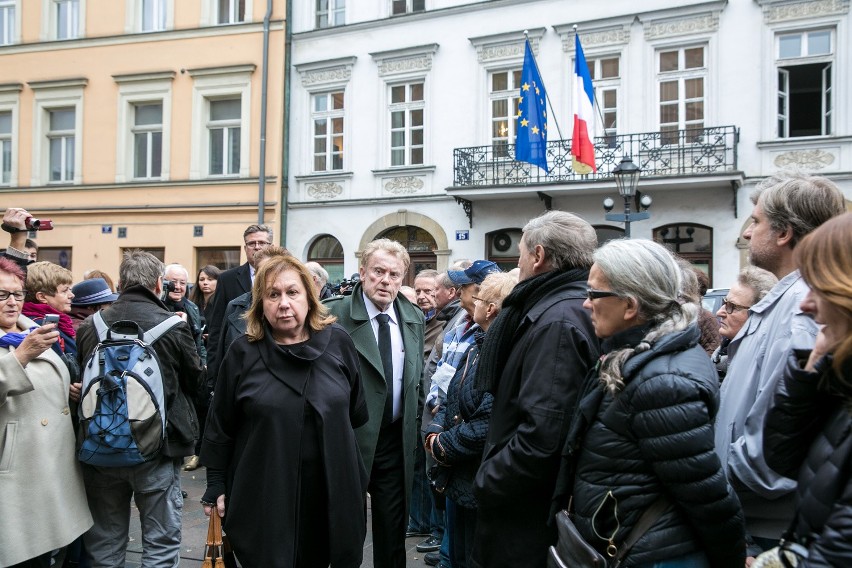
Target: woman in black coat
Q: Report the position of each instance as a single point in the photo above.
(279, 446)
(648, 416)
(808, 432)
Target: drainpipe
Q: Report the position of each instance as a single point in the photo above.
(261, 197)
(285, 147)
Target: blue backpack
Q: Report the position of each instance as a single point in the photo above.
(122, 407)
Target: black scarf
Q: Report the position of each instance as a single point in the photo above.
(500, 337)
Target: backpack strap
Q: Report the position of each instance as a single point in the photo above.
(100, 326)
(160, 329)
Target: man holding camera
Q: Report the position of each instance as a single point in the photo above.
(18, 222)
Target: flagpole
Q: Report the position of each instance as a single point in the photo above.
(550, 104)
(597, 105)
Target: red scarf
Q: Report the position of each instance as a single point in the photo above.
(36, 312)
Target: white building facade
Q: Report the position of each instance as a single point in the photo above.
(402, 120)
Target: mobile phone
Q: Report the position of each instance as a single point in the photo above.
(50, 318)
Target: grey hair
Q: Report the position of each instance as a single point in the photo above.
(568, 240)
(758, 280)
(650, 275)
(176, 266)
(316, 269)
(443, 280)
(799, 201)
(140, 268)
(258, 229)
(388, 246)
(427, 273)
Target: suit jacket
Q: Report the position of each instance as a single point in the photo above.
(352, 315)
(232, 283)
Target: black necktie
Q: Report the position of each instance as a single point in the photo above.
(387, 363)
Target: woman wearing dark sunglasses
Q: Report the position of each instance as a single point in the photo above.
(752, 285)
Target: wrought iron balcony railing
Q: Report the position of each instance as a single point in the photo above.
(694, 151)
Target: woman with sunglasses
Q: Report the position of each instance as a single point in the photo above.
(643, 434)
(808, 433)
(752, 285)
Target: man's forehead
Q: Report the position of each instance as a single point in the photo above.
(424, 281)
(257, 236)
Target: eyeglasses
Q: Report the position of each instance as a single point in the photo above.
(593, 294)
(478, 299)
(731, 307)
(19, 295)
(257, 244)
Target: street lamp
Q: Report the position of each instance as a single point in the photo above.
(626, 176)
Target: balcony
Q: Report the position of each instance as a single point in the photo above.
(691, 153)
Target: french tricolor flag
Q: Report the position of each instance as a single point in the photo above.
(582, 141)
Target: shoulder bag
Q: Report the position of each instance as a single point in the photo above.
(217, 551)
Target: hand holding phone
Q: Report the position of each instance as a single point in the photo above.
(50, 318)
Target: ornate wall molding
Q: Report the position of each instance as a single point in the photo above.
(404, 65)
(505, 46)
(596, 38)
(784, 12)
(336, 71)
(325, 190)
(403, 185)
(702, 23)
(805, 159)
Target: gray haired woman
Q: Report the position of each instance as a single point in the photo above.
(643, 433)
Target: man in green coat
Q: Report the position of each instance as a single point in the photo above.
(388, 333)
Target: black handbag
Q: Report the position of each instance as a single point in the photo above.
(572, 550)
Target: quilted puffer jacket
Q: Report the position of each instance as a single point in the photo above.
(655, 438)
(808, 435)
(462, 425)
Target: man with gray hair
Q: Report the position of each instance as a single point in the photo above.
(787, 207)
(154, 485)
(320, 278)
(534, 359)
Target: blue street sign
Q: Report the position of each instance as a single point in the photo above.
(462, 235)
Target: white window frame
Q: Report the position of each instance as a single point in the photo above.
(409, 7)
(407, 107)
(681, 75)
(140, 89)
(228, 127)
(335, 13)
(512, 94)
(9, 101)
(607, 84)
(60, 94)
(10, 31)
(134, 11)
(65, 137)
(828, 123)
(219, 83)
(329, 115)
(50, 23)
(210, 13)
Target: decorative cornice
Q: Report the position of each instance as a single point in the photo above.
(11, 87)
(406, 60)
(222, 70)
(324, 190)
(58, 83)
(403, 185)
(774, 12)
(500, 47)
(805, 159)
(617, 35)
(326, 72)
(144, 77)
(697, 24)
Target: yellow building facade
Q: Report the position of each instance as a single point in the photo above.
(137, 124)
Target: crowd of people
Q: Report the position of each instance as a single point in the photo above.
(471, 410)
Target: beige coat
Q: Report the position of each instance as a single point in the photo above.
(42, 496)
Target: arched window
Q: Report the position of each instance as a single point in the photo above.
(689, 241)
(607, 233)
(420, 245)
(503, 247)
(328, 251)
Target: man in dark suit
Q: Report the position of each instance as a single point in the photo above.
(232, 283)
(388, 333)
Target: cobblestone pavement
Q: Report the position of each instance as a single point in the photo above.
(195, 530)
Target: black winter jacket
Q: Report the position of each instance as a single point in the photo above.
(808, 435)
(179, 362)
(462, 425)
(655, 438)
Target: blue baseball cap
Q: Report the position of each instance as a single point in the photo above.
(474, 274)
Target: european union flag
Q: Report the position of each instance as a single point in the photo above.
(531, 130)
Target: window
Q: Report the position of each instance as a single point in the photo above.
(407, 6)
(805, 84)
(5, 147)
(7, 22)
(328, 251)
(147, 140)
(153, 17)
(606, 75)
(607, 233)
(681, 76)
(330, 13)
(690, 242)
(230, 11)
(406, 120)
(327, 118)
(222, 258)
(67, 18)
(57, 255)
(420, 245)
(504, 87)
(223, 128)
(61, 144)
